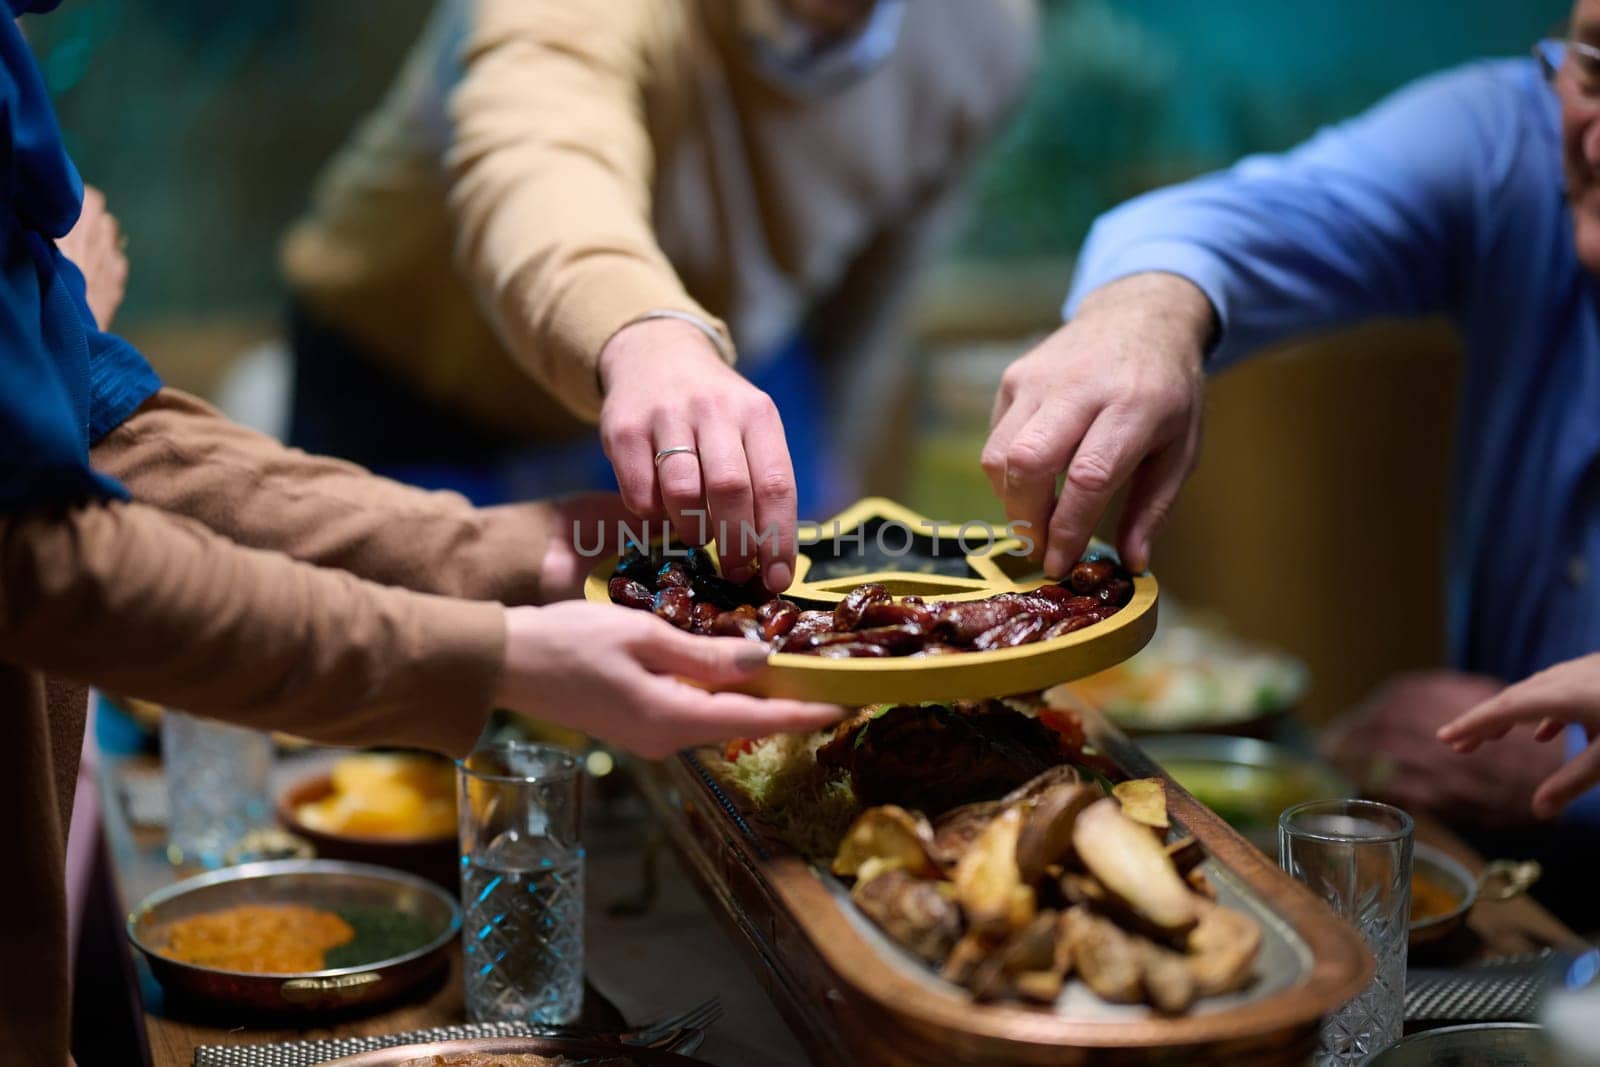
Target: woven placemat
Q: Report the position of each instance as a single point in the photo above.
(311, 1053)
(1503, 990)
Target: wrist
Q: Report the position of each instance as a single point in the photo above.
(641, 342)
(1167, 308)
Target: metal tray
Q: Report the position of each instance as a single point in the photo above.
(855, 997)
(949, 573)
(318, 883)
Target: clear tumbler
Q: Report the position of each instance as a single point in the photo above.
(217, 787)
(1356, 855)
(522, 883)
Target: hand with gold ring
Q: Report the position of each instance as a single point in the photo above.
(691, 439)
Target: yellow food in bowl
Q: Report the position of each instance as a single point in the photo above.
(386, 795)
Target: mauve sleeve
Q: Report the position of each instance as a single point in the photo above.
(135, 600)
(180, 455)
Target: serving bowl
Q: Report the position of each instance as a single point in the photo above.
(323, 884)
(435, 858)
(1246, 781)
(560, 1050)
(1474, 1045)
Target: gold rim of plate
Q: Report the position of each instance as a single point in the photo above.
(959, 676)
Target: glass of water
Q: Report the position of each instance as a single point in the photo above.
(522, 883)
(217, 787)
(1356, 855)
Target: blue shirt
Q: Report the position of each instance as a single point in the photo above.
(63, 383)
(1446, 198)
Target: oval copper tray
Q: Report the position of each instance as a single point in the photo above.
(575, 1053)
(855, 997)
(959, 676)
(318, 883)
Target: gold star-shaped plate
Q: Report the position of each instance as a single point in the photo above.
(878, 540)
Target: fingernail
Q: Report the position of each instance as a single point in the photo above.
(752, 658)
(778, 577)
(738, 573)
(1053, 567)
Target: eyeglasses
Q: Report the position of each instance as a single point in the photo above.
(1580, 62)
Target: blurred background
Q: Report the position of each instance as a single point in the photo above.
(1316, 519)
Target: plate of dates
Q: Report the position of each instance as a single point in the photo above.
(888, 606)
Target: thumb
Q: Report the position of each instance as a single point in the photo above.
(712, 661)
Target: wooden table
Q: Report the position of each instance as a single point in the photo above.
(643, 966)
(666, 960)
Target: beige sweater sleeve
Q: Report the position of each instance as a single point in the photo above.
(180, 455)
(135, 600)
(551, 173)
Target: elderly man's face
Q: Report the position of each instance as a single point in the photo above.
(1578, 85)
(832, 18)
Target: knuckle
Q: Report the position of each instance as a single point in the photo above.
(1090, 473)
(776, 488)
(1030, 457)
(757, 406)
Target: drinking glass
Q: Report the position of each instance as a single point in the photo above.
(1356, 855)
(217, 786)
(522, 883)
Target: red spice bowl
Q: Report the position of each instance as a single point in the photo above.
(434, 857)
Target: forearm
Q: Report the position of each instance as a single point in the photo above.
(553, 205)
(137, 601)
(1361, 221)
(179, 455)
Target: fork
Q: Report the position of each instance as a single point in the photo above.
(668, 1028)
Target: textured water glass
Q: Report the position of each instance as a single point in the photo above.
(522, 883)
(217, 787)
(1356, 855)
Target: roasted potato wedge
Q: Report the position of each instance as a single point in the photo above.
(1047, 823)
(965, 957)
(1108, 960)
(988, 884)
(1222, 950)
(1169, 984)
(1031, 949)
(1186, 854)
(1144, 800)
(886, 838)
(1134, 868)
(913, 912)
(956, 830)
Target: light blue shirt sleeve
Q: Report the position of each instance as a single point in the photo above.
(1365, 219)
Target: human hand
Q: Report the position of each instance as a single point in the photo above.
(614, 673)
(1388, 748)
(95, 246)
(1549, 701)
(593, 521)
(1116, 393)
(667, 387)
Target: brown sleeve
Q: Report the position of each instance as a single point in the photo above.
(551, 174)
(135, 600)
(180, 455)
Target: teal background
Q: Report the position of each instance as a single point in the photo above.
(205, 122)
